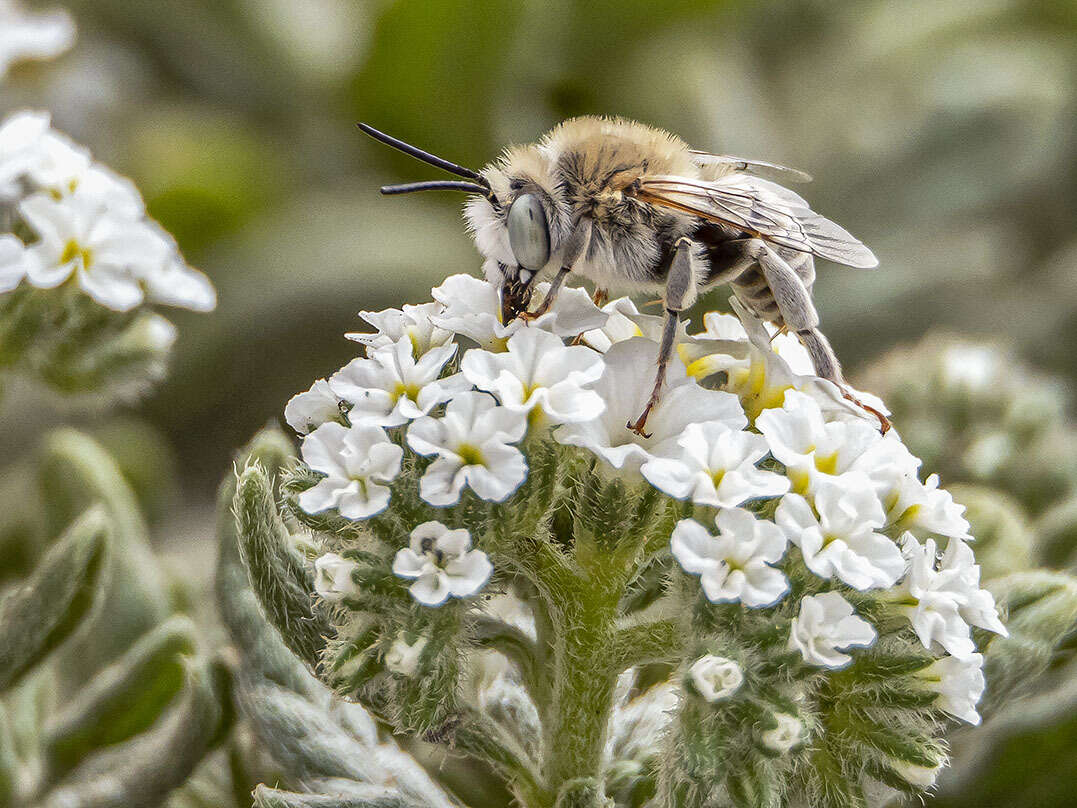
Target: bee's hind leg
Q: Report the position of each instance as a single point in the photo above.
(827, 367)
(680, 294)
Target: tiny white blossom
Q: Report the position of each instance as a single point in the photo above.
(173, 283)
(538, 373)
(108, 256)
(716, 467)
(13, 261)
(624, 322)
(442, 564)
(358, 461)
(402, 657)
(735, 564)
(307, 411)
(825, 626)
(960, 684)
(911, 504)
(808, 445)
(393, 387)
(785, 736)
(838, 536)
(39, 35)
(976, 605)
(21, 147)
(923, 777)
(412, 322)
(625, 386)
(716, 678)
(472, 443)
(473, 309)
(928, 599)
(333, 578)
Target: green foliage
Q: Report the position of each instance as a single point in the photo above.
(45, 610)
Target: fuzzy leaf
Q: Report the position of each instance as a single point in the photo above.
(8, 760)
(141, 772)
(76, 472)
(124, 699)
(45, 610)
(331, 794)
(279, 575)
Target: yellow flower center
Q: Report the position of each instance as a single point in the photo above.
(73, 250)
(470, 455)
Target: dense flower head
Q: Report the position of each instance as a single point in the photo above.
(85, 225)
(768, 512)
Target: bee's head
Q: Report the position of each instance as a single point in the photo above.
(510, 218)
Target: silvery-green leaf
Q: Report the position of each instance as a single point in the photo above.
(45, 610)
(332, 794)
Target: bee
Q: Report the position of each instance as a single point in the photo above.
(634, 208)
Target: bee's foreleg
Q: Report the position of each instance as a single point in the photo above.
(681, 289)
(575, 246)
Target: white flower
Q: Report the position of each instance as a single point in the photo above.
(108, 256)
(307, 411)
(25, 35)
(838, 538)
(539, 373)
(810, 447)
(173, 283)
(624, 322)
(412, 322)
(784, 736)
(441, 564)
(403, 658)
(471, 442)
(625, 386)
(21, 148)
(333, 578)
(911, 504)
(357, 462)
(825, 626)
(960, 684)
(392, 387)
(473, 309)
(927, 599)
(715, 677)
(976, 605)
(716, 467)
(923, 777)
(735, 564)
(13, 261)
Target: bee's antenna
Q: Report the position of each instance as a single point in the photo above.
(436, 185)
(419, 154)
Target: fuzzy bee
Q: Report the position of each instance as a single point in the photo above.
(631, 207)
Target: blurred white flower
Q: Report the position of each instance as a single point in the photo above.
(472, 443)
(21, 147)
(173, 283)
(32, 35)
(412, 322)
(333, 578)
(442, 564)
(923, 777)
(735, 564)
(539, 374)
(838, 537)
(402, 657)
(625, 386)
(106, 255)
(715, 678)
(808, 445)
(358, 461)
(473, 309)
(785, 736)
(13, 262)
(307, 411)
(960, 684)
(825, 626)
(716, 467)
(393, 387)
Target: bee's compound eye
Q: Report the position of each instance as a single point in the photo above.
(529, 235)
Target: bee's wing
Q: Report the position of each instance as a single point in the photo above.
(758, 206)
(723, 164)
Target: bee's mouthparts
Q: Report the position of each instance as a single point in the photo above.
(515, 298)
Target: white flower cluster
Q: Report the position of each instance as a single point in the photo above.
(89, 226)
(32, 35)
(785, 467)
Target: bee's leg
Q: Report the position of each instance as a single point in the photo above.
(680, 294)
(575, 245)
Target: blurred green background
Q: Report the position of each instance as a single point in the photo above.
(941, 132)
